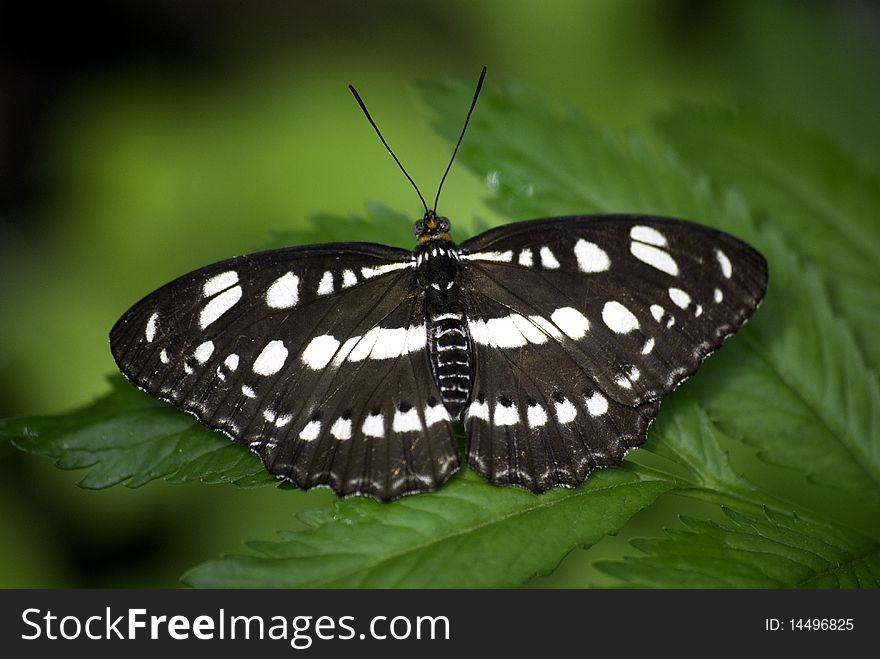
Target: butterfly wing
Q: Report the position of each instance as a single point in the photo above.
(314, 357)
(580, 324)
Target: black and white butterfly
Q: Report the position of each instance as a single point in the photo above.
(347, 364)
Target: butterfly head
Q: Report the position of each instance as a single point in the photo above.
(432, 227)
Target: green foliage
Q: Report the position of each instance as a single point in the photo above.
(800, 392)
(805, 185)
(379, 224)
(794, 386)
(128, 436)
(468, 533)
(769, 550)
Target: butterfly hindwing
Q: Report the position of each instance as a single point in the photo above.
(315, 357)
(537, 418)
(579, 325)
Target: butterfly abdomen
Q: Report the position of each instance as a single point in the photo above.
(450, 359)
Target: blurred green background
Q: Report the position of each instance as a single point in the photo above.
(140, 140)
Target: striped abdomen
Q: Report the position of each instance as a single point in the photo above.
(450, 359)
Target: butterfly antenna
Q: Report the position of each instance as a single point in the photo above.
(379, 133)
(460, 137)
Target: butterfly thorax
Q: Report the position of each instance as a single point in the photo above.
(439, 267)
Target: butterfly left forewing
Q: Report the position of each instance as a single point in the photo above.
(639, 300)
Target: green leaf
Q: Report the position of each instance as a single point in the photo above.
(800, 391)
(685, 436)
(380, 224)
(771, 550)
(539, 163)
(466, 534)
(755, 546)
(805, 185)
(128, 436)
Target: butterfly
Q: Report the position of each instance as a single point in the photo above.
(347, 364)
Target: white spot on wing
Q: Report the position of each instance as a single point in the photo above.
(591, 257)
(390, 342)
(478, 410)
(383, 269)
(204, 351)
(271, 359)
(724, 262)
(626, 380)
(503, 333)
(505, 415)
(597, 404)
(416, 338)
(406, 421)
(247, 391)
(719, 296)
(571, 321)
(163, 356)
(325, 286)
(374, 425)
(219, 306)
(525, 258)
(679, 297)
(479, 333)
(565, 411)
(548, 259)
(311, 431)
(231, 362)
(528, 330)
(284, 292)
(536, 415)
(511, 331)
(283, 420)
(654, 257)
(435, 414)
(346, 348)
(341, 428)
(220, 282)
(501, 257)
(648, 347)
(647, 235)
(348, 279)
(546, 325)
(150, 329)
(659, 312)
(363, 348)
(319, 352)
(618, 318)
